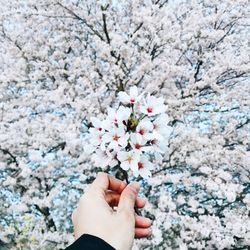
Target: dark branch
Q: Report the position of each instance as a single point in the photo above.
(243, 123)
(83, 21)
(105, 24)
(13, 158)
(49, 221)
(55, 148)
(137, 28)
(198, 66)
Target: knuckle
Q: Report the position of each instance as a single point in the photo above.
(122, 185)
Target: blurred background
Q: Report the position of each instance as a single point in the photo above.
(62, 62)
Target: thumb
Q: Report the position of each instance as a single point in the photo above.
(128, 198)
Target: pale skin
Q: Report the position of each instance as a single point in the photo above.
(95, 213)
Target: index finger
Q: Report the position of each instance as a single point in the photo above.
(104, 182)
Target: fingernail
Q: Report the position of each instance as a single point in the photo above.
(149, 221)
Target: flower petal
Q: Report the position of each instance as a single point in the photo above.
(123, 97)
(133, 92)
(125, 165)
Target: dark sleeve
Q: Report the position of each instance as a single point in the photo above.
(89, 242)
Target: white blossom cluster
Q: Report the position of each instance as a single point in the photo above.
(130, 135)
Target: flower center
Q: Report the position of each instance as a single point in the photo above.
(116, 137)
(137, 146)
(153, 141)
(116, 121)
(132, 100)
(149, 110)
(140, 165)
(155, 126)
(130, 158)
(141, 131)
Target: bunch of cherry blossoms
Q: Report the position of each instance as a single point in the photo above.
(132, 135)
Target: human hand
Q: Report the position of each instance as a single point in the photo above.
(95, 214)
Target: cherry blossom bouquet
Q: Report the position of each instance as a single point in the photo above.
(132, 136)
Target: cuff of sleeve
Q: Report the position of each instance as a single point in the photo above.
(90, 242)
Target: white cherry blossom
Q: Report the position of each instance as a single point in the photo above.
(96, 136)
(129, 135)
(144, 129)
(144, 168)
(97, 124)
(137, 142)
(157, 145)
(104, 158)
(153, 106)
(116, 138)
(128, 159)
(117, 117)
(161, 129)
(132, 98)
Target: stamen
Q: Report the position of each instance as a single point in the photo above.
(140, 165)
(116, 137)
(141, 131)
(132, 100)
(130, 158)
(149, 110)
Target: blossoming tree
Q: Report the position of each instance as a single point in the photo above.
(63, 64)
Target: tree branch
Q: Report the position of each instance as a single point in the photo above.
(7, 152)
(105, 24)
(82, 20)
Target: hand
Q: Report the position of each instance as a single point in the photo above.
(95, 213)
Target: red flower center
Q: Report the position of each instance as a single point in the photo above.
(153, 141)
(116, 137)
(132, 100)
(141, 131)
(149, 110)
(140, 165)
(116, 121)
(137, 146)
